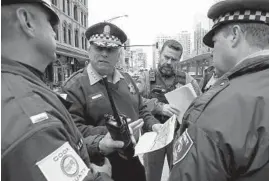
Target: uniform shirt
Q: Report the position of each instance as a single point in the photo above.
(145, 87)
(94, 77)
(90, 103)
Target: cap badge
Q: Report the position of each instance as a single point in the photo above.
(107, 30)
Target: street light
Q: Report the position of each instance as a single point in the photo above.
(111, 19)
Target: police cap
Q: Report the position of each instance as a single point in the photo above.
(229, 11)
(106, 35)
(44, 3)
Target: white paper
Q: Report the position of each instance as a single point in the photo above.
(152, 141)
(181, 98)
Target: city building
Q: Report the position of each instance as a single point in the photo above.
(184, 38)
(199, 46)
(196, 65)
(127, 51)
(71, 40)
(138, 60)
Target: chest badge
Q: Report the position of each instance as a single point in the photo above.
(131, 88)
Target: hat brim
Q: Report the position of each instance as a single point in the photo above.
(208, 38)
(54, 17)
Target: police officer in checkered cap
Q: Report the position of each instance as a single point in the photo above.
(90, 102)
(39, 139)
(225, 132)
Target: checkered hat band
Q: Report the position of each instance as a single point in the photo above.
(106, 44)
(109, 38)
(245, 15)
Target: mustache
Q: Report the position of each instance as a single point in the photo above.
(167, 66)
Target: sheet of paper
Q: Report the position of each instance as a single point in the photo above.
(181, 98)
(152, 141)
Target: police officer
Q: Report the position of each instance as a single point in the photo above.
(225, 132)
(90, 102)
(153, 85)
(39, 139)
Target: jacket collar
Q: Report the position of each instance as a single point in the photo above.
(14, 67)
(95, 77)
(253, 63)
(256, 54)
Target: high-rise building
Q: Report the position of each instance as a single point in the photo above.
(139, 59)
(184, 38)
(199, 46)
(71, 40)
(127, 57)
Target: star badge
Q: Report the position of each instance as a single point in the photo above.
(106, 30)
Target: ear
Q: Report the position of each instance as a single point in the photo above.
(237, 35)
(26, 22)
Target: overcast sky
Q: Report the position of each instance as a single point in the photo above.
(149, 18)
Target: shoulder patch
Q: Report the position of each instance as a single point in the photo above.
(63, 164)
(181, 147)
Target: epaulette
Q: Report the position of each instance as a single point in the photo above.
(73, 75)
(152, 76)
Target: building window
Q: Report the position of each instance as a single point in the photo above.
(68, 7)
(57, 33)
(69, 36)
(54, 2)
(85, 20)
(85, 43)
(81, 18)
(82, 41)
(75, 13)
(84, 2)
(76, 38)
(65, 32)
(64, 6)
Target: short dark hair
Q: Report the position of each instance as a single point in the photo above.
(175, 45)
(257, 34)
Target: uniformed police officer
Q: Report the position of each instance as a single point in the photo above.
(225, 132)
(153, 85)
(39, 139)
(91, 103)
